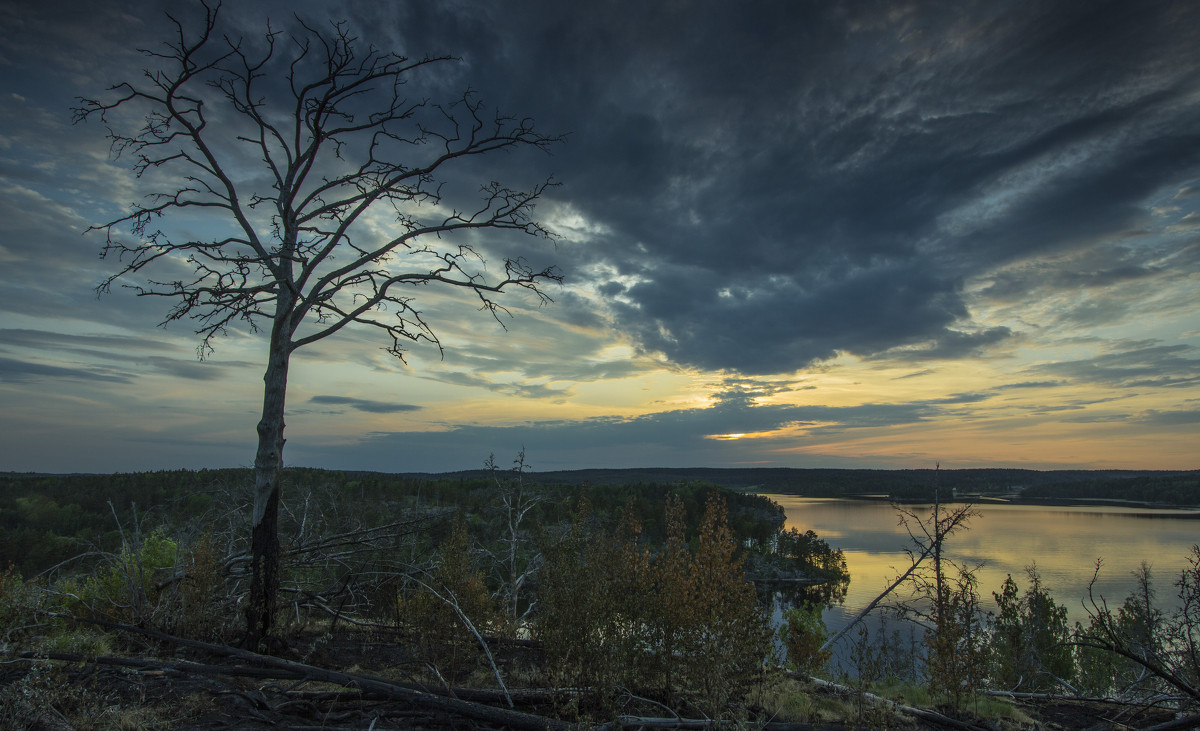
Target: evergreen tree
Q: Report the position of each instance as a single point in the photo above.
(1030, 645)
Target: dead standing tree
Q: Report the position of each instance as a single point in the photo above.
(928, 535)
(296, 145)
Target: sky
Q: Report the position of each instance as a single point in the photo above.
(792, 234)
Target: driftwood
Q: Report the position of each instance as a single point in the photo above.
(183, 667)
(170, 666)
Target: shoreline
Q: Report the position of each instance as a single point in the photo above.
(1030, 501)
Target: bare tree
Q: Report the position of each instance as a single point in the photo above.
(928, 534)
(1155, 652)
(516, 567)
(297, 144)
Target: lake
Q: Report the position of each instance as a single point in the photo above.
(1064, 542)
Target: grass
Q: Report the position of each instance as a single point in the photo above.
(983, 707)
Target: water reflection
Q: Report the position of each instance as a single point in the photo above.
(1065, 543)
(784, 595)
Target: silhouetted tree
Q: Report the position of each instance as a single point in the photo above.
(1141, 651)
(1030, 639)
(297, 145)
(928, 534)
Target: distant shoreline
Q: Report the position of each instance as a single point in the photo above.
(1067, 502)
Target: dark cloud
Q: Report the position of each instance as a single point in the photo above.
(750, 188)
(474, 380)
(127, 350)
(1096, 269)
(699, 318)
(951, 345)
(963, 398)
(193, 369)
(744, 391)
(777, 207)
(1102, 418)
(917, 374)
(776, 184)
(583, 371)
(369, 406)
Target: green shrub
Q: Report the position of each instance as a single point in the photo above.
(956, 662)
(1030, 644)
(594, 609)
(18, 604)
(202, 607)
(127, 589)
(432, 611)
(803, 633)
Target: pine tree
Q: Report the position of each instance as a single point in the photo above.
(1030, 643)
(731, 637)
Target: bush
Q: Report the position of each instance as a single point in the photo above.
(612, 617)
(1141, 651)
(203, 609)
(595, 608)
(956, 663)
(128, 590)
(803, 633)
(730, 639)
(436, 608)
(18, 604)
(1030, 644)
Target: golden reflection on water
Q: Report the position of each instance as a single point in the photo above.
(1063, 542)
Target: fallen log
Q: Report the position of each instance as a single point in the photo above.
(639, 722)
(176, 666)
(386, 688)
(921, 713)
(1192, 721)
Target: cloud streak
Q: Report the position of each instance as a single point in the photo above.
(365, 405)
(13, 370)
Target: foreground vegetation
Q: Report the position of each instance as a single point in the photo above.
(494, 600)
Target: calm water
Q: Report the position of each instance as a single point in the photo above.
(1065, 543)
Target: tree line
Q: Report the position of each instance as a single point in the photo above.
(47, 519)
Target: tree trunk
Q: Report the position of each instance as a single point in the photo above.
(268, 462)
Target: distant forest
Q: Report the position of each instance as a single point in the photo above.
(1148, 486)
(47, 518)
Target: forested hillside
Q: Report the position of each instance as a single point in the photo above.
(48, 519)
